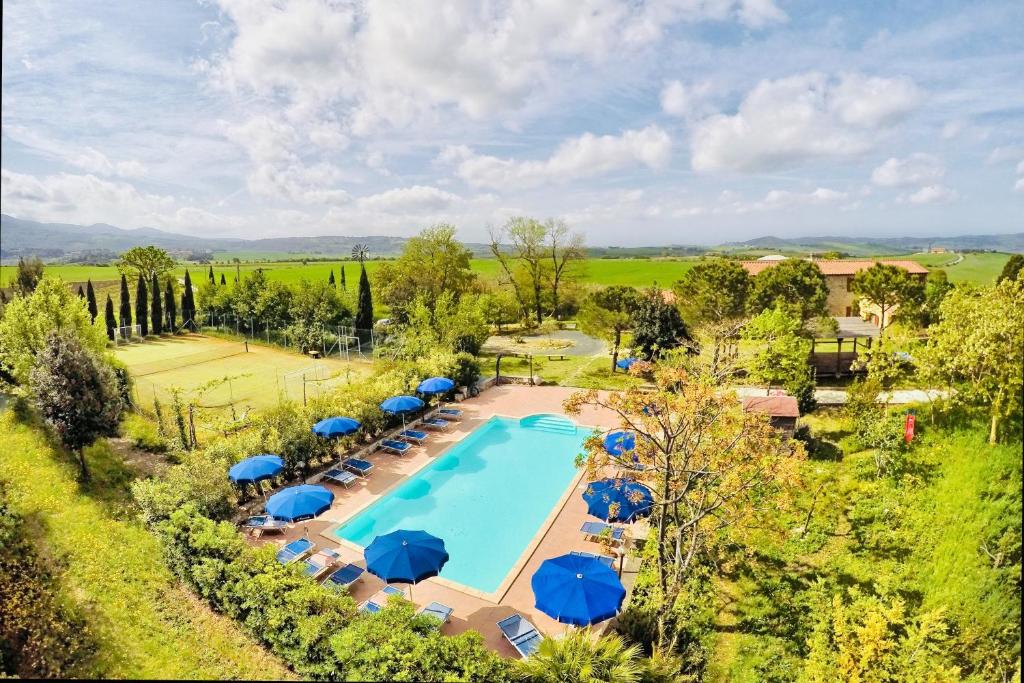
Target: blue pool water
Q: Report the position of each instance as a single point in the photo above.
(487, 496)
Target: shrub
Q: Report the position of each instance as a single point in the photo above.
(143, 433)
(199, 479)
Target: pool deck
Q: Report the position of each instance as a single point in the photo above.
(558, 535)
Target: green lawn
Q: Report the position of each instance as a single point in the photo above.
(145, 624)
(976, 268)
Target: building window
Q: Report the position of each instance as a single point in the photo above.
(849, 284)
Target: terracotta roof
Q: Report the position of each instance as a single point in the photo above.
(840, 266)
(775, 406)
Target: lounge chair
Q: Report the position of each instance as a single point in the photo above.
(360, 467)
(262, 523)
(450, 413)
(345, 575)
(523, 635)
(374, 605)
(434, 423)
(340, 476)
(396, 447)
(440, 612)
(295, 551)
(595, 529)
(606, 560)
(318, 563)
(413, 435)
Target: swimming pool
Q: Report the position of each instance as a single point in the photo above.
(487, 496)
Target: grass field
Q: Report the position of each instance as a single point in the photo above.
(219, 373)
(977, 268)
(145, 625)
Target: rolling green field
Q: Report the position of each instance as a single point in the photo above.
(977, 268)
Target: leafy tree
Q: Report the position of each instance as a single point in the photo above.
(657, 326)
(75, 393)
(431, 263)
(212, 280)
(452, 325)
(81, 292)
(142, 306)
(330, 280)
(126, 309)
(782, 353)
(936, 287)
(145, 262)
(713, 290)
(364, 302)
(1011, 270)
(499, 308)
(711, 468)
(566, 250)
(223, 280)
(29, 320)
(90, 296)
(315, 306)
(832, 255)
(170, 307)
(343, 286)
(188, 302)
(976, 349)
(29, 274)
(579, 657)
(607, 313)
(108, 318)
(795, 282)
(156, 307)
(887, 287)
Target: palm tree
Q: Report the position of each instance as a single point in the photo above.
(578, 657)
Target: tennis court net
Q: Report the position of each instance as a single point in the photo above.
(175, 362)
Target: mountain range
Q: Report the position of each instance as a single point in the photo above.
(101, 242)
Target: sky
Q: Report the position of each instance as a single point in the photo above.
(638, 123)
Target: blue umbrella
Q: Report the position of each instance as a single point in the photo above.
(625, 363)
(618, 500)
(405, 556)
(435, 385)
(619, 441)
(335, 426)
(577, 590)
(401, 404)
(299, 502)
(256, 469)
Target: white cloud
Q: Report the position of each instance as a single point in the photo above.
(931, 194)
(684, 101)
(409, 200)
(915, 170)
(390, 61)
(785, 122)
(1001, 155)
(1019, 185)
(580, 157)
(95, 161)
(731, 202)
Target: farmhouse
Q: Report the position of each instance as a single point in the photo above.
(839, 275)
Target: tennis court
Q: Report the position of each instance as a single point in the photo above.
(220, 373)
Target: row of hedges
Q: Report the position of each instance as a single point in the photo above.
(318, 632)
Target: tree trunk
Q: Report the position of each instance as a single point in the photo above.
(615, 349)
(81, 462)
(993, 431)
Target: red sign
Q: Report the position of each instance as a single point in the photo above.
(908, 428)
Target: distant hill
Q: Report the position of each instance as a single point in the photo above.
(101, 242)
(869, 246)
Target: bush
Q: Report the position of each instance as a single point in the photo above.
(143, 433)
(200, 479)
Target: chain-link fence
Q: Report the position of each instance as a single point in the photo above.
(339, 341)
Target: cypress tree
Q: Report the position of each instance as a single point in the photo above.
(142, 306)
(156, 308)
(364, 305)
(188, 303)
(126, 310)
(81, 292)
(170, 308)
(108, 316)
(223, 280)
(330, 280)
(212, 281)
(343, 278)
(90, 295)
